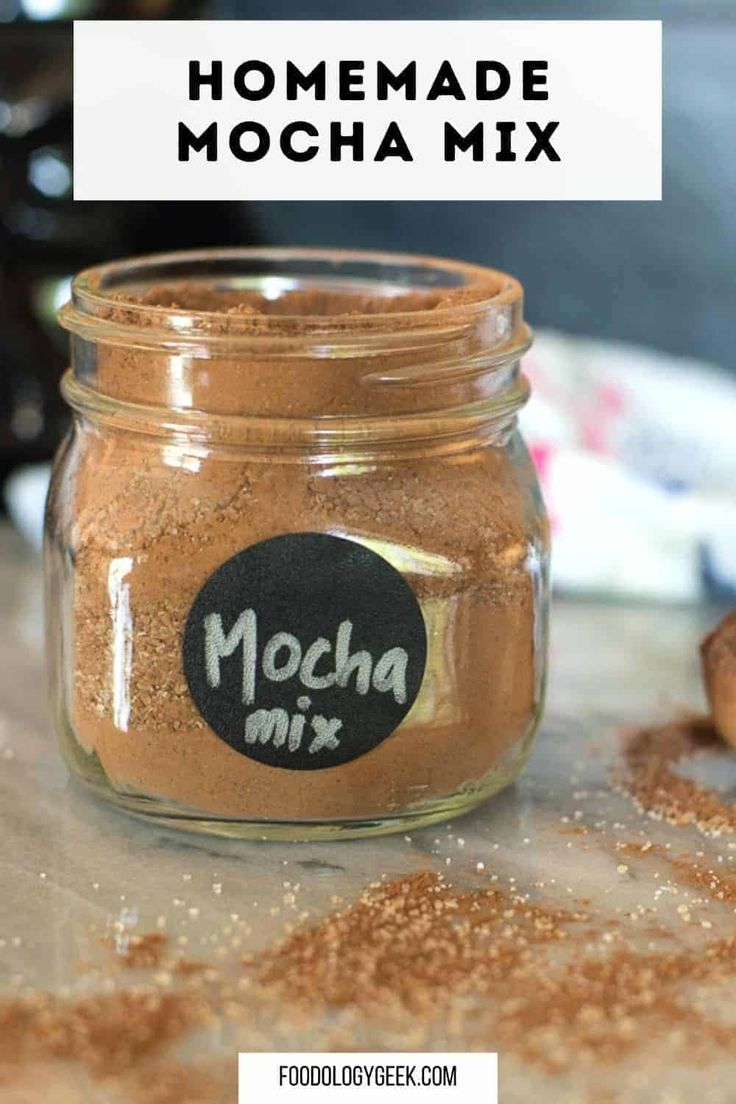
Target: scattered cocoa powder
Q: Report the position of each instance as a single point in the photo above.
(717, 886)
(139, 952)
(503, 972)
(185, 1084)
(460, 526)
(650, 776)
(405, 942)
(109, 1034)
(415, 963)
(150, 951)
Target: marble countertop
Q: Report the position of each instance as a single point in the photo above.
(71, 869)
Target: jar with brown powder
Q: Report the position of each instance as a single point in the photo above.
(296, 553)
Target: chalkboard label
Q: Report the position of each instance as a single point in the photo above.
(305, 651)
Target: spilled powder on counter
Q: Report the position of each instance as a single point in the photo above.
(107, 1034)
(185, 1084)
(405, 942)
(140, 952)
(650, 777)
(716, 885)
(501, 972)
(414, 963)
(179, 522)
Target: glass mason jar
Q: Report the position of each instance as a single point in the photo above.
(296, 553)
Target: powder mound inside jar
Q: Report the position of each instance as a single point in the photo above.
(331, 302)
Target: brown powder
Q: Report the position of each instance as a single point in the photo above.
(650, 775)
(414, 963)
(183, 1084)
(140, 952)
(496, 971)
(717, 886)
(601, 1010)
(108, 1034)
(405, 942)
(458, 525)
(150, 951)
(311, 303)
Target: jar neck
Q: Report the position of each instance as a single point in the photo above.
(295, 350)
(326, 439)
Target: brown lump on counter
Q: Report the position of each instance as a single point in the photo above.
(718, 657)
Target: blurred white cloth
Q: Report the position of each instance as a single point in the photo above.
(636, 451)
(25, 497)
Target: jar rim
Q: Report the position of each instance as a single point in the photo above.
(471, 291)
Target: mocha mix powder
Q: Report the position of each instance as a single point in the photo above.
(154, 516)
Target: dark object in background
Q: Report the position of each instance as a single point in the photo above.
(659, 274)
(45, 236)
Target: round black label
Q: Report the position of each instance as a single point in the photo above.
(305, 651)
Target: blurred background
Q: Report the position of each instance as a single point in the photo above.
(631, 429)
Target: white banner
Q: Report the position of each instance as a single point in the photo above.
(360, 1078)
(235, 110)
